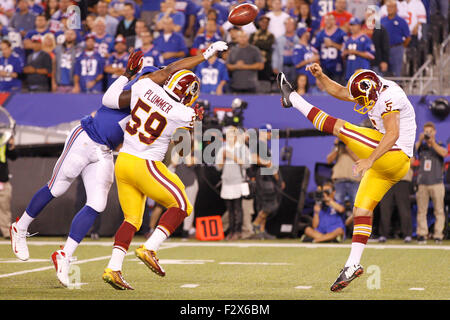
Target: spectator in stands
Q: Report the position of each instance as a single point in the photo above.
(431, 155)
(208, 6)
(149, 10)
(284, 51)
(110, 21)
(23, 20)
(104, 43)
(56, 20)
(65, 57)
(380, 39)
(11, 66)
(189, 8)
(262, 8)
(51, 8)
(244, 61)
(358, 8)
(358, 49)
(397, 196)
(7, 10)
(342, 16)
(117, 9)
(232, 159)
(203, 40)
(152, 56)
(264, 41)
(40, 28)
(304, 55)
(320, 8)
(136, 41)
(168, 10)
(126, 26)
(345, 183)
(8, 151)
(329, 42)
(170, 44)
(213, 75)
(327, 224)
(302, 85)
(117, 61)
(399, 37)
(306, 19)
(88, 73)
(277, 19)
(38, 67)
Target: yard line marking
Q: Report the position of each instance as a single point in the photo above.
(258, 263)
(303, 287)
(20, 261)
(417, 289)
(7, 275)
(176, 243)
(189, 285)
(178, 261)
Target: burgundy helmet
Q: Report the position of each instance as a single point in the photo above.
(183, 86)
(364, 86)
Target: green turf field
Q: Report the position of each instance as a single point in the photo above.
(240, 270)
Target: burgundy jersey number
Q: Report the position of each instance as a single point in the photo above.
(149, 126)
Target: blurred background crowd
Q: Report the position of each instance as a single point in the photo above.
(51, 45)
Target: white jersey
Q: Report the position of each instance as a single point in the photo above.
(393, 98)
(154, 118)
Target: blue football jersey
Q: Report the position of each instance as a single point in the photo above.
(330, 57)
(107, 126)
(151, 57)
(11, 64)
(116, 61)
(319, 8)
(353, 61)
(301, 53)
(211, 75)
(104, 45)
(88, 67)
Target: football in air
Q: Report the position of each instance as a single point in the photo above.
(243, 14)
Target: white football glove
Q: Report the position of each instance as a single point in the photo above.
(215, 47)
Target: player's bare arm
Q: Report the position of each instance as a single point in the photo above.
(110, 98)
(332, 87)
(391, 123)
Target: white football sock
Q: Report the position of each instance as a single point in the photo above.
(70, 246)
(24, 221)
(155, 240)
(116, 261)
(355, 254)
(300, 104)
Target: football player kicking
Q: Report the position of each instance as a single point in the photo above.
(88, 152)
(383, 153)
(160, 104)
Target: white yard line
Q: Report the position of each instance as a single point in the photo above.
(7, 275)
(240, 244)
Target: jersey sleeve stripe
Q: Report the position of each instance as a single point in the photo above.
(388, 112)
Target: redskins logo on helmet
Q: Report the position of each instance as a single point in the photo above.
(364, 87)
(183, 86)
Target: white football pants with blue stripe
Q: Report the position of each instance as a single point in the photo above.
(95, 163)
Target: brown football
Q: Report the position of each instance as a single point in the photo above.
(243, 14)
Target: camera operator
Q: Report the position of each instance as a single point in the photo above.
(345, 183)
(430, 181)
(327, 223)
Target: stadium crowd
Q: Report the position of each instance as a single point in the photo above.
(47, 45)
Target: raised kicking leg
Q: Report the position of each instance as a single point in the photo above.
(362, 142)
